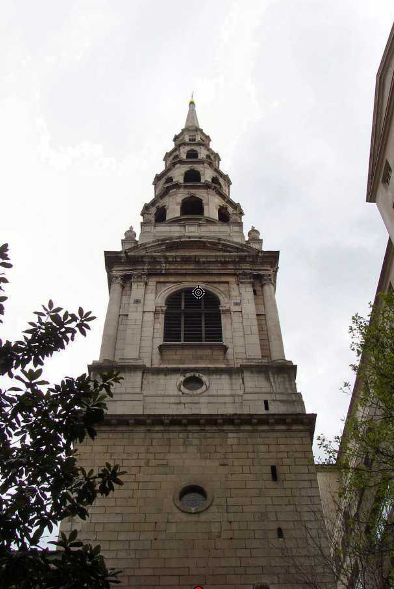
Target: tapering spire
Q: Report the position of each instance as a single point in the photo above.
(191, 119)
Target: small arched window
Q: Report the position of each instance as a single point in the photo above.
(192, 206)
(192, 154)
(188, 319)
(215, 180)
(223, 215)
(192, 176)
(160, 215)
(168, 180)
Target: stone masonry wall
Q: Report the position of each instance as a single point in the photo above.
(233, 543)
(239, 390)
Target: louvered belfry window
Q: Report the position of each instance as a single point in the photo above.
(188, 319)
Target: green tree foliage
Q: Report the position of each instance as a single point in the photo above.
(364, 455)
(40, 481)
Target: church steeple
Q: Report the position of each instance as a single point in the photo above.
(207, 418)
(192, 193)
(191, 119)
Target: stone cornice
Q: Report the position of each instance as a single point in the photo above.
(303, 421)
(264, 367)
(380, 127)
(216, 264)
(187, 186)
(178, 135)
(226, 247)
(190, 162)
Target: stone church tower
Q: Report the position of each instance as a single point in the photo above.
(221, 490)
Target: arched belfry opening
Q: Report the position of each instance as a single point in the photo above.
(192, 176)
(223, 215)
(189, 319)
(160, 215)
(192, 205)
(192, 154)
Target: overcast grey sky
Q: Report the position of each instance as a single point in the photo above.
(92, 93)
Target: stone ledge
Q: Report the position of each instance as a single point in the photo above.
(115, 365)
(285, 421)
(261, 365)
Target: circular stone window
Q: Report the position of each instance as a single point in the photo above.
(192, 498)
(192, 383)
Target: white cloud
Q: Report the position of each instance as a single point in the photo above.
(91, 96)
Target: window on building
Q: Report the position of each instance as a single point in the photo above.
(386, 173)
(160, 215)
(192, 176)
(192, 206)
(215, 180)
(192, 154)
(223, 215)
(192, 138)
(168, 180)
(193, 496)
(280, 533)
(188, 319)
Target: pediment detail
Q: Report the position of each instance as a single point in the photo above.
(192, 245)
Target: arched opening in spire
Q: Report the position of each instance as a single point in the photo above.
(192, 206)
(215, 180)
(192, 154)
(192, 176)
(168, 180)
(160, 215)
(223, 215)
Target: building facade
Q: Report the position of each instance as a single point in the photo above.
(221, 488)
(359, 569)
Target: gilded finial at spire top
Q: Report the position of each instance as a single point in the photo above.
(191, 101)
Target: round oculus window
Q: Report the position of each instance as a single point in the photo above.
(192, 498)
(192, 383)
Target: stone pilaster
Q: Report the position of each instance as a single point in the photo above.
(249, 318)
(272, 319)
(107, 351)
(134, 325)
